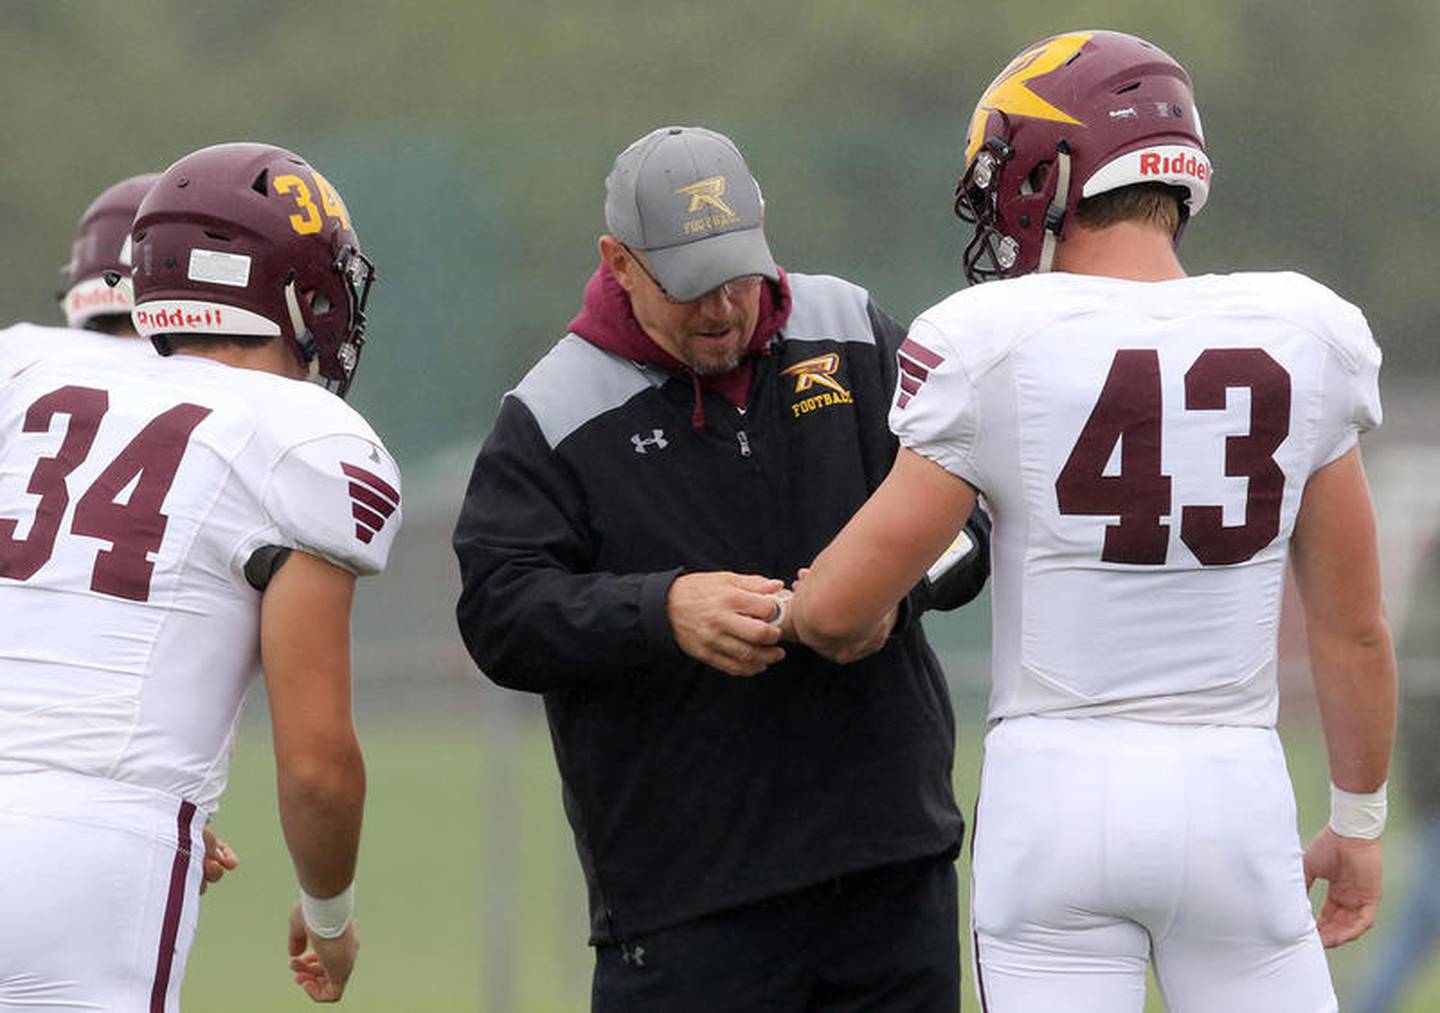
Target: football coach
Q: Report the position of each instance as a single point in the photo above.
(758, 827)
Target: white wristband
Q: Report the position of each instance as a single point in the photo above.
(328, 918)
(1355, 815)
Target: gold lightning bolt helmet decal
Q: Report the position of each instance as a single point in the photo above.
(706, 191)
(1010, 93)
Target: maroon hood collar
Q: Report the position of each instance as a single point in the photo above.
(608, 322)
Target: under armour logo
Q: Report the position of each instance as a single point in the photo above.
(633, 955)
(656, 440)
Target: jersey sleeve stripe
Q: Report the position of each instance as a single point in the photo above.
(366, 516)
(913, 369)
(373, 480)
(375, 502)
(918, 352)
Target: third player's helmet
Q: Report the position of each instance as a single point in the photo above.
(97, 278)
(248, 239)
(1071, 117)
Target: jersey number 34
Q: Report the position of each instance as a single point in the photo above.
(133, 528)
(1128, 412)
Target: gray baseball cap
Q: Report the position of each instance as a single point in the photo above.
(685, 197)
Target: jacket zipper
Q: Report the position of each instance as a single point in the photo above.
(744, 442)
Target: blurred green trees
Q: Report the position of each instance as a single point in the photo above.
(471, 141)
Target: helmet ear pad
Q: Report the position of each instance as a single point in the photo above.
(1015, 204)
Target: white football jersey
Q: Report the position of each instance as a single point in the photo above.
(1142, 448)
(133, 490)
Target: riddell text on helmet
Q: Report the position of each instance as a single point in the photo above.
(1155, 164)
(179, 318)
(97, 297)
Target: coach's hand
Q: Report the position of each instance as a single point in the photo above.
(722, 620)
(219, 859)
(1353, 867)
(322, 971)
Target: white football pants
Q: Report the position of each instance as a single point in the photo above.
(99, 892)
(1104, 843)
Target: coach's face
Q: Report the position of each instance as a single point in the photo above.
(709, 334)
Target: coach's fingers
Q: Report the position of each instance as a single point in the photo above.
(735, 656)
(764, 607)
(754, 583)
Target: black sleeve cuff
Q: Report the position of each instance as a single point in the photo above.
(655, 614)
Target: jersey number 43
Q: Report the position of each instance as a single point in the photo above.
(134, 528)
(1128, 412)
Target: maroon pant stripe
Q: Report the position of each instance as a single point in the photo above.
(975, 932)
(170, 929)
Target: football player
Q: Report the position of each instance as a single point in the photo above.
(1153, 448)
(98, 295)
(168, 525)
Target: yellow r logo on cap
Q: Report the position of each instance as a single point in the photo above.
(707, 192)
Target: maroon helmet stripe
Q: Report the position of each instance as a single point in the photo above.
(174, 904)
(367, 516)
(920, 353)
(379, 504)
(363, 533)
(373, 480)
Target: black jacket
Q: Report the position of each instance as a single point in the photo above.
(690, 791)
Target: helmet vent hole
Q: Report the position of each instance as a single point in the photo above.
(1127, 87)
(261, 185)
(1035, 181)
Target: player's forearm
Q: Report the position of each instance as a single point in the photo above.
(322, 800)
(1355, 686)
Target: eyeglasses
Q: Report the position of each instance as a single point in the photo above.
(735, 288)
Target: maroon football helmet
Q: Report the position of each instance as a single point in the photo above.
(1071, 117)
(248, 239)
(97, 278)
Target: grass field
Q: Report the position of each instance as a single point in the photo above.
(470, 895)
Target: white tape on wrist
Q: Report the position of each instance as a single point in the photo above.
(782, 605)
(1357, 815)
(328, 918)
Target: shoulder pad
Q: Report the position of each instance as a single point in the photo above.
(337, 496)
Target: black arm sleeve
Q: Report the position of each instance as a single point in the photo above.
(964, 579)
(531, 614)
